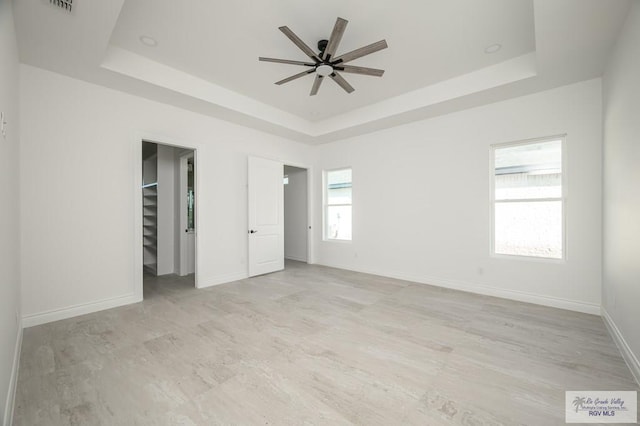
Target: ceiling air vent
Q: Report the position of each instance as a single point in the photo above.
(64, 4)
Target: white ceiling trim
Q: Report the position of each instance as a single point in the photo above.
(132, 65)
(573, 39)
(138, 67)
(520, 68)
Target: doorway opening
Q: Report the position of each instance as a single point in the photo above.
(168, 218)
(296, 214)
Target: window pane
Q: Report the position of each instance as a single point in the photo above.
(516, 186)
(338, 176)
(339, 196)
(529, 171)
(339, 222)
(339, 187)
(529, 228)
(191, 212)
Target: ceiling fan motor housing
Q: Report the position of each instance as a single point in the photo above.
(322, 45)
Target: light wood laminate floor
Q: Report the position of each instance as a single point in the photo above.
(313, 345)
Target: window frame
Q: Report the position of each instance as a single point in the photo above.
(563, 199)
(326, 205)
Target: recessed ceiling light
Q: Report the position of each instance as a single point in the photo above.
(493, 48)
(148, 41)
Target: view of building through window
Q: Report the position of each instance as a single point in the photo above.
(528, 203)
(338, 198)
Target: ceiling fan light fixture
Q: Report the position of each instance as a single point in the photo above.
(324, 70)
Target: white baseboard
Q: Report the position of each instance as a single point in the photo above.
(76, 310)
(521, 296)
(13, 382)
(221, 279)
(297, 259)
(630, 358)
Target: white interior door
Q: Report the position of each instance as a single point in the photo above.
(266, 216)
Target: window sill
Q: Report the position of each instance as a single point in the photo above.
(536, 259)
(329, 240)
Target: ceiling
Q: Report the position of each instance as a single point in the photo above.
(221, 42)
(206, 58)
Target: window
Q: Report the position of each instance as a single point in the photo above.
(528, 205)
(191, 201)
(337, 200)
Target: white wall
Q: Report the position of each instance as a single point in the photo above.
(295, 214)
(421, 207)
(167, 219)
(9, 211)
(621, 230)
(78, 239)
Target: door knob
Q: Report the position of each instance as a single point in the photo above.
(251, 231)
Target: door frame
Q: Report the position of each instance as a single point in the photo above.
(310, 233)
(138, 264)
(311, 208)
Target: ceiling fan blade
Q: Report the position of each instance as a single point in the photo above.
(360, 70)
(293, 77)
(286, 61)
(363, 51)
(342, 82)
(334, 39)
(301, 44)
(316, 85)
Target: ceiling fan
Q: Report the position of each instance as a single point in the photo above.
(325, 63)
